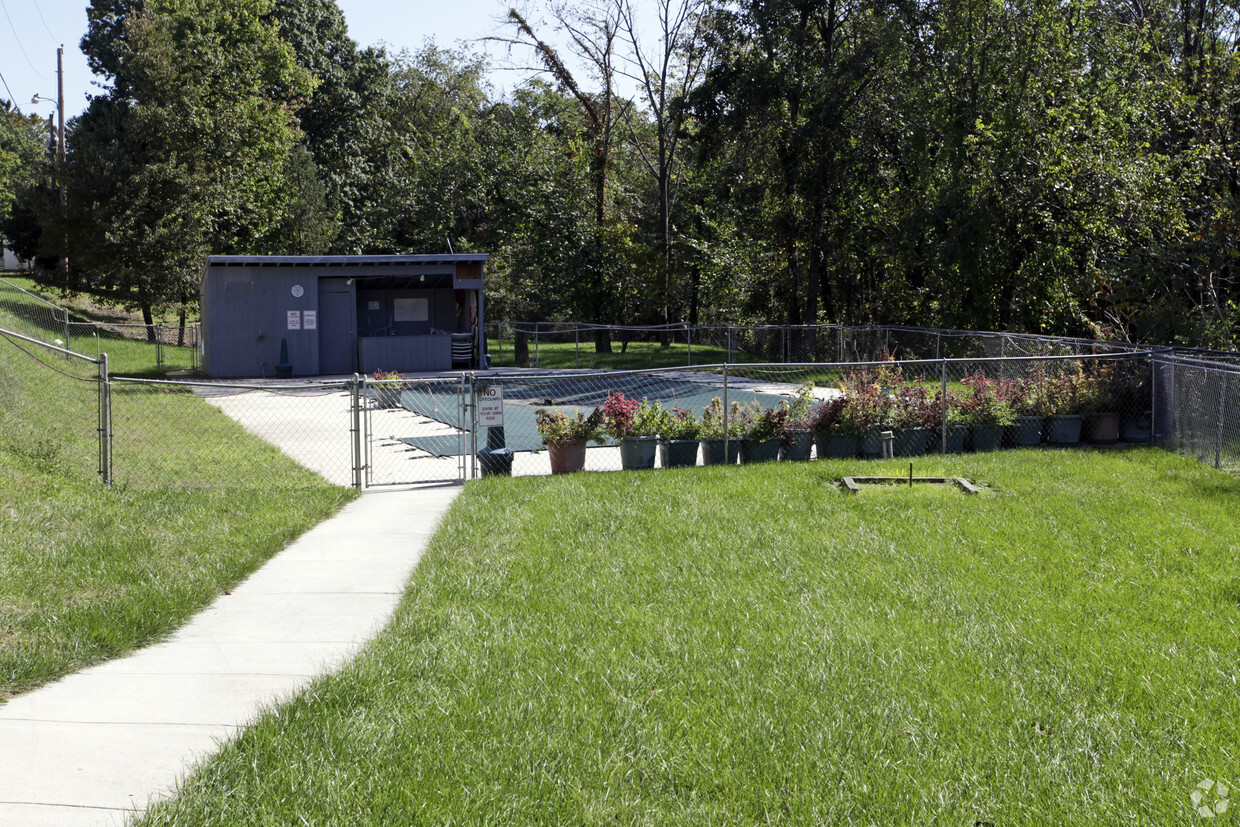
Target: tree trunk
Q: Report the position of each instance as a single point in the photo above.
(521, 348)
(148, 319)
(602, 340)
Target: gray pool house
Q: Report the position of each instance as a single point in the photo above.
(338, 315)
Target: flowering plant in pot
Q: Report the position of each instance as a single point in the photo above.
(799, 432)
(566, 436)
(761, 431)
(386, 394)
(1063, 424)
(716, 428)
(871, 408)
(985, 410)
(952, 440)
(636, 425)
(679, 432)
(915, 416)
(1030, 401)
(1100, 392)
(834, 433)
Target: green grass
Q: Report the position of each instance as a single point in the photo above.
(638, 355)
(748, 645)
(87, 572)
(126, 356)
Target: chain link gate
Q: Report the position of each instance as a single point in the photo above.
(414, 430)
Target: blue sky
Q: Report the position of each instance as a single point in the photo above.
(30, 31)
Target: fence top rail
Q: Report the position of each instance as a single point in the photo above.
(330, 386)
(35, 296)
(784, 367)
(541, 327)
(49, 346)
(1203, 364)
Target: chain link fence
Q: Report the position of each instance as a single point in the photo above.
(1198, 401)
(131, 348)
(771, 412)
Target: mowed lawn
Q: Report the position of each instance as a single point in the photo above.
(751, 645)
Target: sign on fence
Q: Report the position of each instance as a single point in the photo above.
(490, 406)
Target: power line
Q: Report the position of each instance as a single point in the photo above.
(44, 21)
(10, 91)
(19, 41)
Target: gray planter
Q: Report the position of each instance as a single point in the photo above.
(1063, 429)
(910, 442)
(1135, 427)
(987, 437)
(799, 445)
(679, 453)
(957, 435)
(765, 450)
(712, 451)
(836, 446)
(1026, 432)
(637, 452)
(872, 444)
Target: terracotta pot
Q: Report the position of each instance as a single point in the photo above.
(567, 456)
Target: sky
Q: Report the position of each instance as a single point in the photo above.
(31, 30)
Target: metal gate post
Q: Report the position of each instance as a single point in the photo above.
(159, 346)
(1218, 442)
(105, 421)
(469, 386)
(726, 419)
(943, 399)
(689, 343)
(356, 398)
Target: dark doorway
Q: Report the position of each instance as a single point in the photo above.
(336, 332)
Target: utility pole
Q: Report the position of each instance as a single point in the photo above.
(60, 154)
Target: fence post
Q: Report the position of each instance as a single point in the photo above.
(689, 344)
(471, 402)
(943, 400)
(727, 420)
(537, 361)
(576, 345)
(105, 421)
(159, 346)
(731, 341)
(1218, 442)
(355, 393)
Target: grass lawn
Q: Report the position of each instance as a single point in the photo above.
(752, 644)
(88, 573)
(126, 356)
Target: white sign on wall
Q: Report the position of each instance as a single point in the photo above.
(411, 310)
(294, 320)
(310, 319)
(490, 406)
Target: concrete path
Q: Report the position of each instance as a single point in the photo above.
(98, 745)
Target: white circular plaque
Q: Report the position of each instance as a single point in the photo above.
(298, 291)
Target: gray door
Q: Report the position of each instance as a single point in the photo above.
(336, 327)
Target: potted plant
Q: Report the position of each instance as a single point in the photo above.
(762, 431)
(566, 437)
(985, 411)
(1063, 424)
(951, 441)
(636, 426)
(1099, 393)
(717, 428)
(915, 417)
(872, 410)
(1030, 400)
(798, 440)
(835, 434)
(386, 394)
(679, 434)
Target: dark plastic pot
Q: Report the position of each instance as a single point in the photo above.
(836, 446)
(679, 453)
(1135, 428)
(872, 444)
(712, 451)
(799, 445)
(910, 442)
(765, 450)
(1026, 432)
(1063, 429)
(1104, 428)
(987, 437)
(637, 452)
(957, 435)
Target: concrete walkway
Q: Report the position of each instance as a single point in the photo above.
(96, 746)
